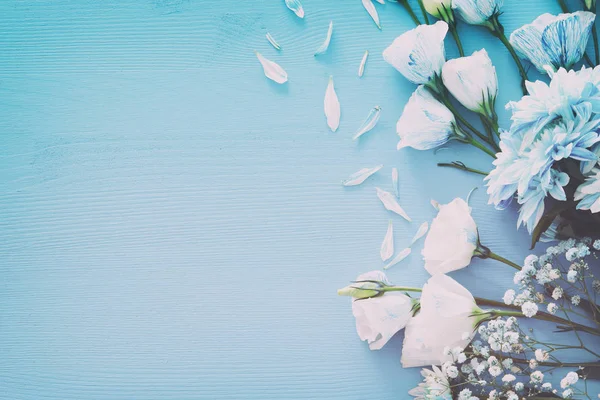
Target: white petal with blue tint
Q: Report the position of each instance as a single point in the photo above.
(369, 123)
(401, 256)
(435, 204)
(272, 70)
(332, 107)
(387, 247)
(477, 12)
(555, 41)
(363, 62)
(420, 233)
(296, 7)
(395, 182)
(360, 176)
(419, 53)
(273, 42)
(390, 203)
(368, 5)
(323, 48)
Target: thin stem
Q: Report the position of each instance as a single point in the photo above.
(410, 12)
(454, 33)
(400, 289)
(498, 30)
(491, 131)
(425, 17)
(462, 167)
(588, 60)
(481, 147)
(563, 6)
(496, 257)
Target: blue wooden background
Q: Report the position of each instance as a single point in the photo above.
(172, 223)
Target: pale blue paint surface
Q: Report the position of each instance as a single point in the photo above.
(172, 224)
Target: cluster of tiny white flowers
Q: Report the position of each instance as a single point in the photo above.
(501, 335)
(570, 379)
(529, 309)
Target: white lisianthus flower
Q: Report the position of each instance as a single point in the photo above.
(377, 318)
(441, 9)
(477, 12)
(452, 239)
(473, 82)
(446, 307)
(419, 53)
(554, 41)
(435, 385)
(425, 122)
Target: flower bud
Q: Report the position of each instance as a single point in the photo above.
(441, 9)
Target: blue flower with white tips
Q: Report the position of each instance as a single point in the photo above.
(554, 41)
(588, 193)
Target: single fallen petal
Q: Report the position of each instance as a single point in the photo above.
(470, 193)
(390, 203)
(387, 247)
(361, 67)
(273, 41)
(401, 256)
(272, 70)
(380, 1)
(360, 176)
(296, 7)
(325, 44)
(435, 204)
(369, 123)
(395, 181)
(332, 107)
(368, 5)
(420, 233)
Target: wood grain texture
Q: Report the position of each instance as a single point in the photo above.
(173, 225)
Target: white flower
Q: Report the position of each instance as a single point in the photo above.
(446, 307)
(570, 379)
(554, 41)
(451, 371)
(425, 122)
(541, 355)
(510, 395)
(529, 309)
(572, 275)
(509, 296)
(575, 300)
(472, 81)
(434, 386)
(495, 370)
(452, 238)
(552, 307)
(441, 9)
(536, 377)
(477, 12)
(378, 318)
(419, 53)
(508, 378)
(567, 394)
(557, 293)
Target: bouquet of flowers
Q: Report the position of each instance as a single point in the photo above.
(547, 162)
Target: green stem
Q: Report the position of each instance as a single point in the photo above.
(588, 60)
(400, 289)
(492, 131)
(410, 12)
(462, 167)
(498, 30)
(424, 12)
(481, 147)
(496, 257)
(454, 32)
(563, 6)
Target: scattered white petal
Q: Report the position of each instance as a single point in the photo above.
(395, 181)
(325, 44)
(363, 62)
(369, 123)
(435, 204)
(470, 193)
(296, 7)
(390, 203)
(368, 5)
(387, 247)
(272, 70)
(380, 1)
(420, 233)
(401, 256)
(332, 107)
(273, 42)
(360, 176)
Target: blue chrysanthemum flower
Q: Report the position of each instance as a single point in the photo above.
(588, 193)
(554, 41)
